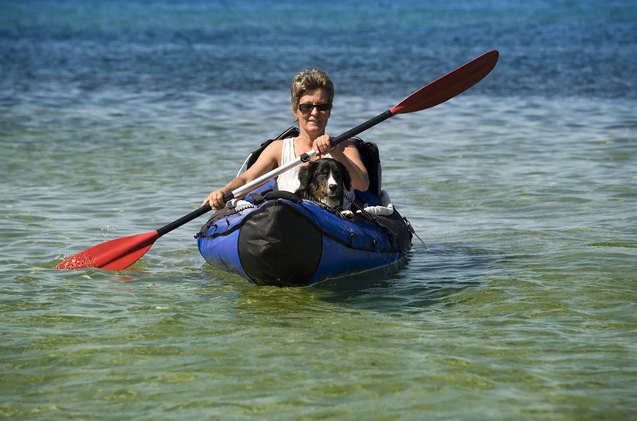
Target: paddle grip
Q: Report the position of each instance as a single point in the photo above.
(228, 197)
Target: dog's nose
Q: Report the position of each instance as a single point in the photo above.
(332, 187)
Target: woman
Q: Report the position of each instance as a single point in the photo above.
(312, 96)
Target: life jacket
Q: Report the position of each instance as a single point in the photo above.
(369, 155)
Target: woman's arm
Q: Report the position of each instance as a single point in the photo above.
(354, 164)
(347, 154)
(267, 161)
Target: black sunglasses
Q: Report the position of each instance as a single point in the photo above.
(306, 108)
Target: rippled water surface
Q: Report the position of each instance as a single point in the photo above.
(520, 304)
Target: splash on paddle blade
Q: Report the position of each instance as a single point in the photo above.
(80, 260)
(115, 254)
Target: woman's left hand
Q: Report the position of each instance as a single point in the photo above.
(322, 144)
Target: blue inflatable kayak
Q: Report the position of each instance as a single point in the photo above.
(279, 239)
(275, 238)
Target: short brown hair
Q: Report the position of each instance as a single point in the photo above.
(309, 80)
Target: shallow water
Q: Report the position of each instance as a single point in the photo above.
(520, 304)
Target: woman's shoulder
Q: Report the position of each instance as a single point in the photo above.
(272, 152)
(275, 145)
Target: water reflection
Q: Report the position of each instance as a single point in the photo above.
(429, 276)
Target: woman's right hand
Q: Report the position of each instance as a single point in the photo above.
(215, 199)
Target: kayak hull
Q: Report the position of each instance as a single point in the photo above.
(285, 241)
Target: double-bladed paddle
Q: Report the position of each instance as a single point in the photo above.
(122, 252)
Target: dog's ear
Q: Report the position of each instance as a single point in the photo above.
(347, 180)
(305, 177)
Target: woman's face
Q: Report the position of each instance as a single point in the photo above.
(313, 121)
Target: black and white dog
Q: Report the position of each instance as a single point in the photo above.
(325, 180)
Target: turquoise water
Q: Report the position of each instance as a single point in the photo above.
(118, 119)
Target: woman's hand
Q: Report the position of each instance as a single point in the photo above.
(322, 145)
(347, 154)
(215, 199)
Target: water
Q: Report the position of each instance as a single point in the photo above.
(119, 117)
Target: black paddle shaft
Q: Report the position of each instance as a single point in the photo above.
(353, 132)
(184, 219)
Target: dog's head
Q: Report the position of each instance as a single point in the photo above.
(324, 180)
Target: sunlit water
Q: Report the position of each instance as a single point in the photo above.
(520, 304)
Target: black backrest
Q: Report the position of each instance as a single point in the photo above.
(371, 158)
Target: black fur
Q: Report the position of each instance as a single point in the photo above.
(314, 182)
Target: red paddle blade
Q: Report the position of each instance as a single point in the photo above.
(449, 85)
(115, 254)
